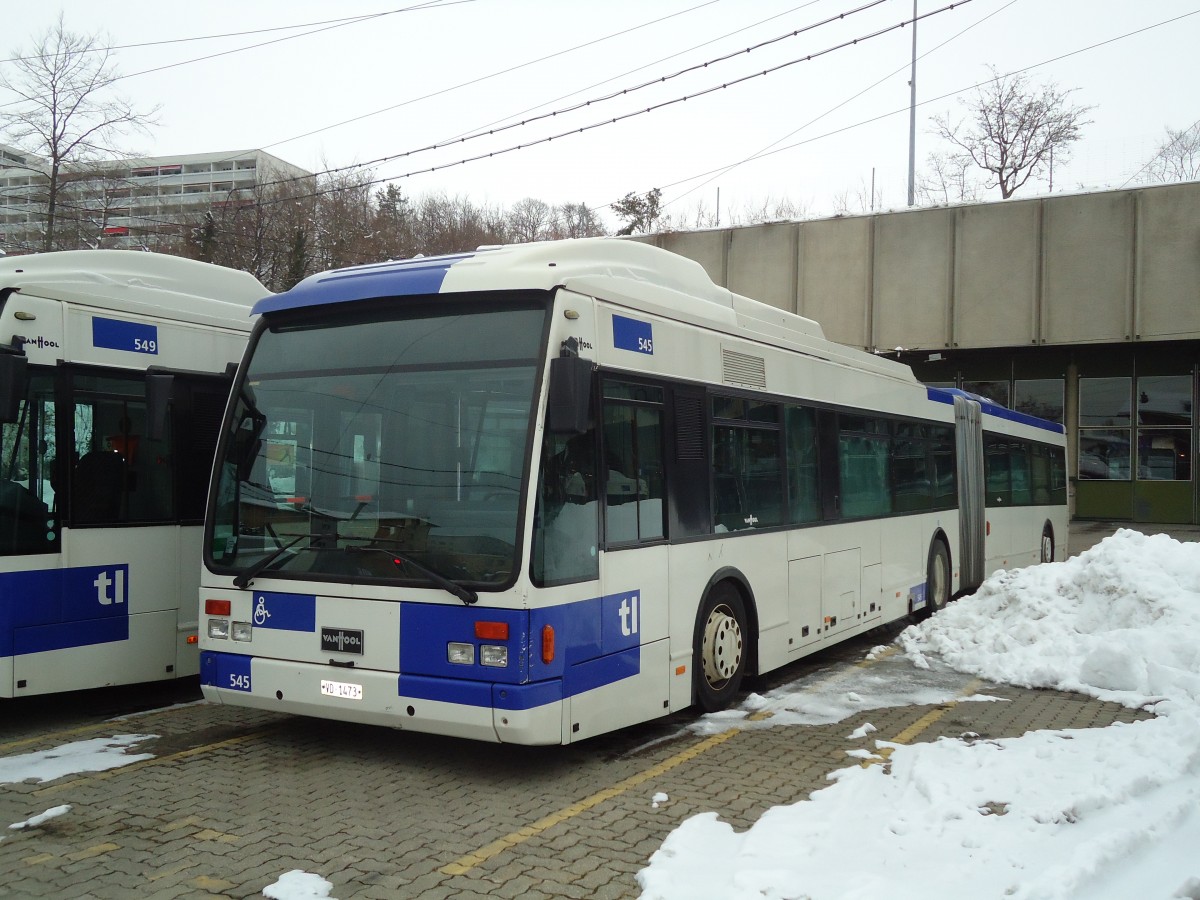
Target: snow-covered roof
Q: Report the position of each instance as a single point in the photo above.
(137, 282)
(584, 264)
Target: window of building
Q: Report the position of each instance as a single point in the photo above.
(996, 391)
(1164, 434)
(1104, 432)
(1041, 397)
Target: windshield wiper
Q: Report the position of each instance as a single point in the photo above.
(465, 594)
(242, 581)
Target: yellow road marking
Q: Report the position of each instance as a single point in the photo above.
(884, 754)
(155, 760)
(97, 850)
(70, 732)
(466, 863)
(105, 726)
(174, 870)
(212, 885)
(210, 834)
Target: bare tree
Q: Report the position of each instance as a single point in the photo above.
(1178, 157)
(270, 231)
(531, 220)
(66, 111)
(578, 220)
(947, 178)
(770, 209)
(1014, 130)
(454, 225)
(693, 218)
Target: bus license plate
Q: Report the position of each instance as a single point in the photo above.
(341, 690)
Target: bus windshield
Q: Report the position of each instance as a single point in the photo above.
(381, 446)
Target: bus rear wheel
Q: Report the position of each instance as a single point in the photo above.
(937, 578)
(1047, 543)
(719, 648)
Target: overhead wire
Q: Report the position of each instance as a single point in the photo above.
(490, 75)
(165, 42)
(945, 96)
(662, 59)
(635, 113)
(339, 23)
(830, 111)
(624, 92)
(871, 120)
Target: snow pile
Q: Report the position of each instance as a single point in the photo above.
(96, 755)
(1100, 814)
(1119, 622)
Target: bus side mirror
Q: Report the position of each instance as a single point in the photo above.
(569, 400)
(14, 381)
(159, 388)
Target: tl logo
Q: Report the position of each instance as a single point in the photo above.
(106, 579)
(629, 615)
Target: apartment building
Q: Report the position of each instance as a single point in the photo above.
(128, 202)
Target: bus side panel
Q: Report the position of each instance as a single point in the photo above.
(638, 698)
(187, 656)
(761, 559)
(148, 654)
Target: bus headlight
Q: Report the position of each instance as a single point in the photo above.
(460, 654)
(243, 631)
(218, 629)
(493, 655)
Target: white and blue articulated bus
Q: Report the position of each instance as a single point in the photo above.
(539, 492)
(100, 516)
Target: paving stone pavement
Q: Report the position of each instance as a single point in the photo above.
(232, 799)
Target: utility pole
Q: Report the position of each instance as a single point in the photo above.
(912, 115)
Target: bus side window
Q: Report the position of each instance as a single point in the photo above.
(119, 474)
(633, 473)
(566, 531)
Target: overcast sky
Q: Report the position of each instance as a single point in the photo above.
(335, 94)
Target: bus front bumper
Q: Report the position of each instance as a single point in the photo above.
(519, 714)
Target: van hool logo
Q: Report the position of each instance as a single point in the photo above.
(341, 640)
(40, 342)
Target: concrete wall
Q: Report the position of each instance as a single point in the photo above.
(1104, 267)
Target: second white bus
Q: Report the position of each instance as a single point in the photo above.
(539, 492)
(99, 517)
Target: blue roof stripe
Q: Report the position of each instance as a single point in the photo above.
(947, 395)
(404, 278)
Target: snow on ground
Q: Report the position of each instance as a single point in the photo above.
(41, 818)
(1098, 814)
(298, 885)
(96, 755)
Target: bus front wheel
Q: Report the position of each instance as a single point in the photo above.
(719, 648)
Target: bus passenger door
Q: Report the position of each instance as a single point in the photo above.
(632, 673)
(119, 585)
